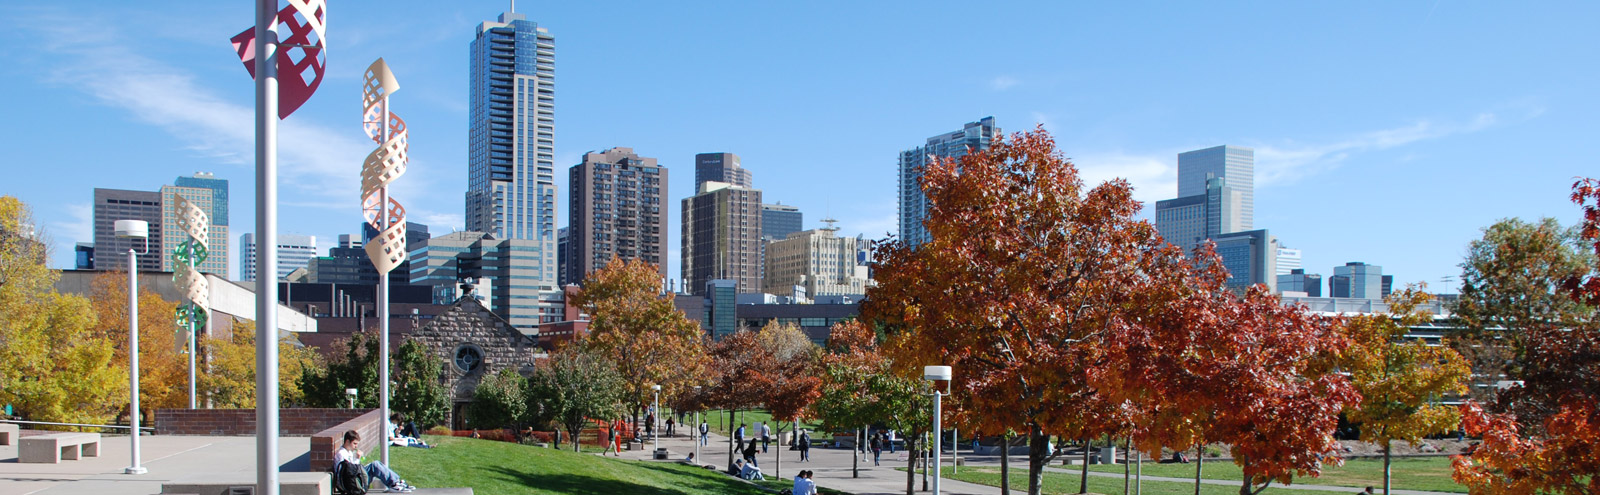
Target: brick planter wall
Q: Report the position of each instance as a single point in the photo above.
(292, 422)
(325, 442)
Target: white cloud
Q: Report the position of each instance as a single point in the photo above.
(1002, 83)
(1154, 176)
(875, 220)
(1282, 164)
(66, 233)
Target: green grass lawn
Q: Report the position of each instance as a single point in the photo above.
(1410, 473)
(718, 421)
(777, 484)
(491, 467)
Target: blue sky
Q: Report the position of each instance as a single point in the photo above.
(1385, 132)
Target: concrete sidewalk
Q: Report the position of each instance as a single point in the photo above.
(166, 457)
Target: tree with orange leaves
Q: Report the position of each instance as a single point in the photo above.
(1027, 275)
(634, 325)
(1545, 438)
(163, 371)
(861, 387)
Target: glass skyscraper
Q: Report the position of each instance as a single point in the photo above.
(1235, 165)
(913, 204)
(511, 189)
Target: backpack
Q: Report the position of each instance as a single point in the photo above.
(349, 479)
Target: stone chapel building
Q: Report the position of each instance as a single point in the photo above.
(475, 342)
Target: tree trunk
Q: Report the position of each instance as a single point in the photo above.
(1387, 444)
(927, 460)
(1199, 462)
(911, 467)
(855, 457)
(1005, 464)
(1038, 453)
(1083, 481)
(1127, 468)
(730, 439)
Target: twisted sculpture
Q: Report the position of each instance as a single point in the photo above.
(382, 167)
(295, 86)
(186, 256)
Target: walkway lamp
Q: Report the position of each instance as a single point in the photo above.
(936, 374)
(133, 229)
(655, 432)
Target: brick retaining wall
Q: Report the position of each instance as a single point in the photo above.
(292, 422)
(325, 442)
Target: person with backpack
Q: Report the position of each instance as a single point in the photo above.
(354, 477)
(738, 437)
(877, 448)
(705, 429)
(750, 453)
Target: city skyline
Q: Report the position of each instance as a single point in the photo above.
(1371, 123)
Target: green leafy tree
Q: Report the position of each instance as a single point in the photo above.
(1400, 381)
(53, 364)
(498, 402)
(1510, 287)
(572, 387)
(355, 365)
(419, 391)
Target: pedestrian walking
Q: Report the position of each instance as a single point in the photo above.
(650, 424)
(805, 446)
(738, 437)
(877, 448)
(704, 430)
(888, 437)
(750, 453)
(669, 426)
(766, 437)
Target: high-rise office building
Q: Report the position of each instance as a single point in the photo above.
(1187, 221)
(1249, 257)
(1236, 165)
(1297, 280)
(722, 237)
(294, 251)
(1356, 280)
(975, 136)
(563, 256)
(83, 256)
(511, 189)
(780, 220)
(111, 205)
(496, 266)
(720, 167)
(617, 210)
(822, 262)
(1288, 260)
(721, 311)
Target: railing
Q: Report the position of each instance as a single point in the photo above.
(141, 428)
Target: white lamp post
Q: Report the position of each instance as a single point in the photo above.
(695, 433)
(936, 374)
(352, 393)
(133, 229)
(655, 433)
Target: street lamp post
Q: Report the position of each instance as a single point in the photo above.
(936, 374)
(696, 431)
(655, 432)
(352, 393)
(133, 229)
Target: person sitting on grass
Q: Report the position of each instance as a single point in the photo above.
(351, 453)
(749, 471)
(403, 436)
(803, 484)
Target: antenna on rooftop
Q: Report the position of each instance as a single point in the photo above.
(830, 221)
(513, 6)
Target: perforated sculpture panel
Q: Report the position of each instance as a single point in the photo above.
(382, 167)
(302, 58)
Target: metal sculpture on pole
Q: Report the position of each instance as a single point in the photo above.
(382, 167)
(186, 256)
(302, 57)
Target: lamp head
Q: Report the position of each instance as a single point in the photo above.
(936, 373)
(351, 392)
(132, 229)
(655, 388)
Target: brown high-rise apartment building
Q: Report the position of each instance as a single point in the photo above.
(722, 237)
(616, 210)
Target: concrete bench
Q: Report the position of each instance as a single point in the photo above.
(52, 448)
(228, 483)
(9, 433)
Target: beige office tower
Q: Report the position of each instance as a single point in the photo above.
(817, 260)
(722, 237)
(616, 210)
(171, 235)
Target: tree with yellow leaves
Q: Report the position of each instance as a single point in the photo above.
(163, 371)
(230, 383)
(1400, 380)
(52, 365)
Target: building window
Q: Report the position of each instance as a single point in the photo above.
(468, 358)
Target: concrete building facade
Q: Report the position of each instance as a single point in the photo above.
(1297, 280)
(617, 209)
(913, 204)
(111, 205)
(722, 237)
(818, 260)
